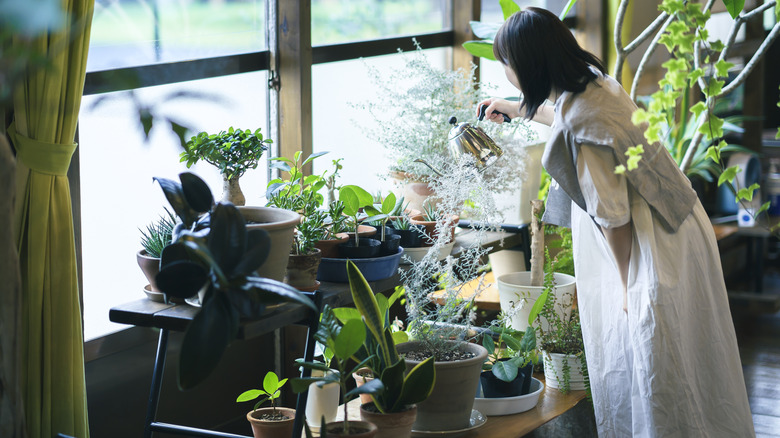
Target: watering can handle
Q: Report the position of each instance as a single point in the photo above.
(483, 108)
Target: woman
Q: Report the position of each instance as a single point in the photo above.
(660, 344)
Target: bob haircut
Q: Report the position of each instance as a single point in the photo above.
(544, 55)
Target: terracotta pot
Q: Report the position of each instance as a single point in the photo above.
(231, 191)
(391, 425)
(430, 229)
(363, 231)
(271, 429)
(449, 405)
(362, 376)
(358, 429)
(302, 271)
(330, 248)
(414, 190)
(150, 267)
(280, 225)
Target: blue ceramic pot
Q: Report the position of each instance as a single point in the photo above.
(375, 268)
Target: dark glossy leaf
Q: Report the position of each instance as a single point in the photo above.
(258, 247)
(174, 252)
(227, 239)
(734, 7)
(265, 287)
(175, 196)
(529, 341)
(505, 370)
(205, 341)
(245, 303)
(393, 379)
(370, 387)
(181, 279)
(147, 120)
(196, 192)
(418, 384)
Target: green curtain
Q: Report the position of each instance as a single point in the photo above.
(45, 113)
(612, 5)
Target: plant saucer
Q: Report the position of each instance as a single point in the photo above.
(476, 421)
(511, 405)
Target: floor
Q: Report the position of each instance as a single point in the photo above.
(758, 333)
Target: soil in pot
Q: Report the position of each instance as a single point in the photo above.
(266, 424)
(330, 247)
(357, 429)
(493, 387)
(390, 425)
(449, 405)
(367, 248)
(302, 271)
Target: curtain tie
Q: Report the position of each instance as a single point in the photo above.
(40, 156)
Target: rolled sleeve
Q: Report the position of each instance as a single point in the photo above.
(605, 192)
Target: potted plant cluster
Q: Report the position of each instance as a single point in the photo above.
(344, 341)
(273, 422)
(154, 239)
(322, 401)
(233, 152)
(212, 251)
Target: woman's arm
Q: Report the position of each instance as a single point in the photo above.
(619, 240)
(545, 114)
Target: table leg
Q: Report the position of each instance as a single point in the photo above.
(157, 375)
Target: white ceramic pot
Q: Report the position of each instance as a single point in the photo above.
(321, 402)
(554, 374)
(517, 297)
(280, 225)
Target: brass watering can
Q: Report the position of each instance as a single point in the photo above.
(466, 139)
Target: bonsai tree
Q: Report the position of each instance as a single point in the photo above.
(212, 250)
(233, 152)
(344, 341)
(271, 391)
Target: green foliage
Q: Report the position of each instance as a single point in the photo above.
(212, 249)
(158, 234)
(562, 248)
(271, 391)
(233, 151)
(520, 349)
(312, 227)
(430, 212)
(381, 212)
(355, 198)
(344, 341)
(298, 190)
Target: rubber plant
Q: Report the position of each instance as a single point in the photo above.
(212, 250)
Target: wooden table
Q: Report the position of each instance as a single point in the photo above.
(552, 403)
(486, 298)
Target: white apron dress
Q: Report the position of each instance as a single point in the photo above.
(670, 366)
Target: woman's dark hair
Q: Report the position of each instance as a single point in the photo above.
(543, 53)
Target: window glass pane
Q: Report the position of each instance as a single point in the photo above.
(118, 195)
(139, 32)
(339, 128)
(338, 21)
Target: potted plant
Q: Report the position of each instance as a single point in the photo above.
(508, 371)
(355, 199)
(153, 240)
(411, 235)
(270, 422)
(305, 259)
(213, 251)
(380, 213)
(431, 218)
(393, 409)
(344, 341)
(322, 401)
(233, 152)
(336, 230)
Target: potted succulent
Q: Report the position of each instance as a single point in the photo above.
(233, 152)
(430, 218)
(153, 240)
(335, 232)
(213, 251)
(411, 235)
(393, 409)
(270, 422)
(344, 341)
(305, 258)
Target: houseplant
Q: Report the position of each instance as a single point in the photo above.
(429, 220)
(336, 230)
(156, 237)
(270, 422)
(507, 372)
(212, 250)
(380, 213)
(344, 341)
(305, 258)
(393, 409)
(355, 199)
(233, 152)
(322, 401)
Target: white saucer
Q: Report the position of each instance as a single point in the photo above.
(476, 421)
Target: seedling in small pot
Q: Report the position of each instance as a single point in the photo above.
(381, 212)
(355, 198)
(271, 391)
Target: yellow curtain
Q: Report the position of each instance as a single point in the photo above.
(46, 107)
(627, 75)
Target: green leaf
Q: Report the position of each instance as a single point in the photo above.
(529, 341)
(489, 344)
(695, 74)
(350, 200)
(777, 12)
(746, 193)
(388, 204)
(365, 302)
(713, 128)
(764, 207)
(713, 154)
(349, 339)
(734, 7)
(716, 45)
(249, 395)
(505, 370)
(418, 384)
(537, 307)
(698, 108)
(484, 30)
(620, 169)
(714, 87)
(400, 337)
(728, 175)
(313, 156)
(344, 314)
(270, 382)
(480, 49)
(508, 7)
(722, 68)
(566, 9)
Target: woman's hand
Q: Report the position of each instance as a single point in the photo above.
(497, 105)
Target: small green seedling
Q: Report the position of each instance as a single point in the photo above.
(271, 391)
(381, 212)
(355, 198)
